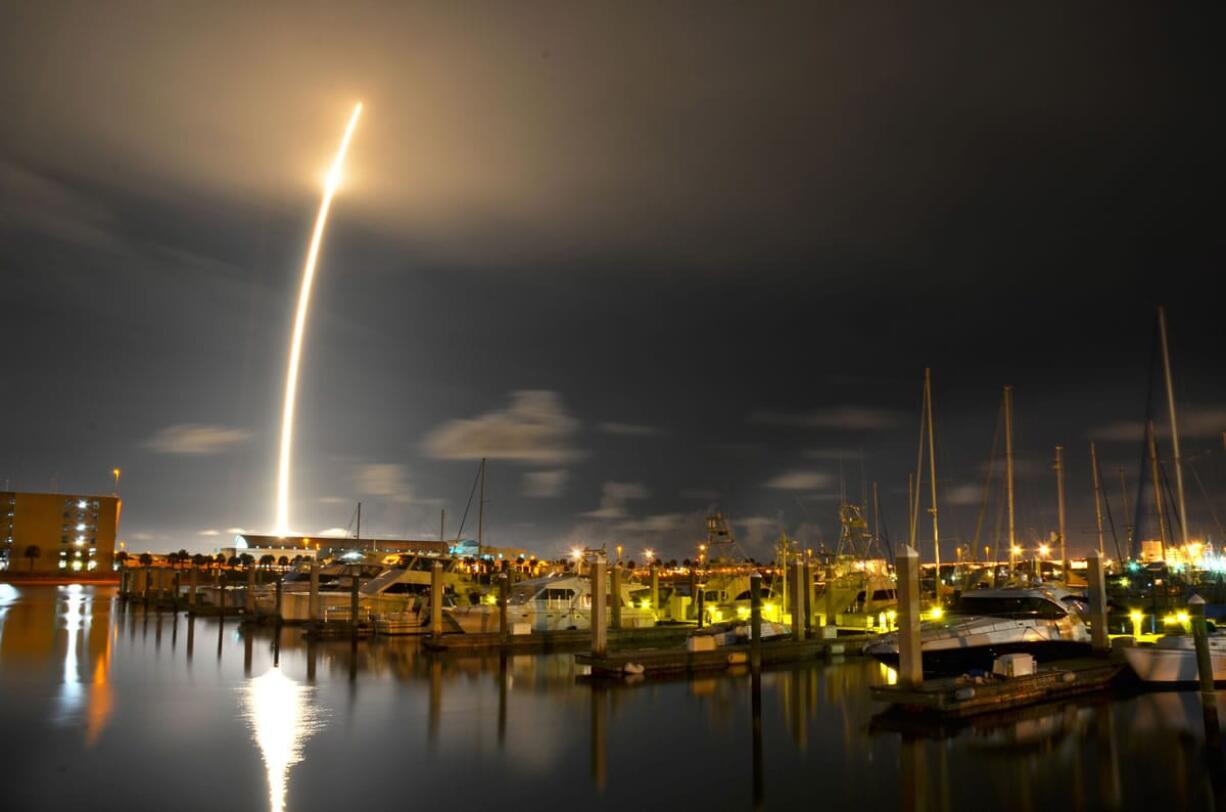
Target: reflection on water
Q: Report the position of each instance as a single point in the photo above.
(282, 718)
(97, 689)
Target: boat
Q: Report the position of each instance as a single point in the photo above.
(1173, 659)
(554, 603)
(986, 623)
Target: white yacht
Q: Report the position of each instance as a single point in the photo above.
(986, 623)
(1173, 659)
(554, 604)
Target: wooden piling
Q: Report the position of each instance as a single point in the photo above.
(280, 578)
(798, 601)
(615, 597)
(1097, 587)
(1204, 664)
(249, 598)
(600, 642)
(910, 655)
(808, 576)
(755, 620)
(354, 584)
(655, 590)
(829, 601)
(313, 595)
(220, 584)
(436, 599)
(193, 581)
(504, 595)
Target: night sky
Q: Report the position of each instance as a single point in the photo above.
(647, 258)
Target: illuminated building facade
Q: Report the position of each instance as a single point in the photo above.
(71, 533)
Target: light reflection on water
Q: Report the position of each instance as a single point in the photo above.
(282, 718)
(123, 700)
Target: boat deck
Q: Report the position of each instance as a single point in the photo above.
(955, 696)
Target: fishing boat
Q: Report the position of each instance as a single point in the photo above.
(986, 623)
(1173, 659)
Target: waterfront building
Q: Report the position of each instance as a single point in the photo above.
(48, 533)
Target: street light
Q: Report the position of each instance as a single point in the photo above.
(115, 472)
(650, 555)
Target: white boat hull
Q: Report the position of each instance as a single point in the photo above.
(1156, 664)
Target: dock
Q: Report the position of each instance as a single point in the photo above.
(680, 660)
(557, 641)
(963, 697)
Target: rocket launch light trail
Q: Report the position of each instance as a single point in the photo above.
(304, 301)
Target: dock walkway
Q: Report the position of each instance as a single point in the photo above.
(680, 660)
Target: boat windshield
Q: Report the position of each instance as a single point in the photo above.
(1019, 606)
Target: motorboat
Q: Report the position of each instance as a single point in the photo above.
(983, 624)
(861, 600)
(555, 603)
(1173, 659)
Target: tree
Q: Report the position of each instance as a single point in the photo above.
(235, 559)
(145, 560)
(220, 559)
(246, 559)
(267, 560)
(283, 561)
(199, 560)
(33, 552)
(121, 558)
(173, 559)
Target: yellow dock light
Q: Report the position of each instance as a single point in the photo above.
(1136, 616)
(1183, 617)
(936, 613)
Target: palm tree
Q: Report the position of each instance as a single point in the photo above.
(33, 552)
(267, 560)
(283, 561)
(173, 560)
(121, 558)
(198, 560)
(145, 560)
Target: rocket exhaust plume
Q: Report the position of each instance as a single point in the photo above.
(304, 301)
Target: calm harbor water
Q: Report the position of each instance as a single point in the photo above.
(107, 706)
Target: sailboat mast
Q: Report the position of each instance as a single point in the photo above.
(1060, 510)
(1156, 476)
(919, 466)
(1124, 495)
(1098, 499)
(1009, 468)
(481, 513)
(932, 475)
(1170, 408)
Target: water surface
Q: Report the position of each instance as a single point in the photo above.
(105, 705)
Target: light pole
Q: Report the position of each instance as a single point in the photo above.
(115, 472)
(1043, 551)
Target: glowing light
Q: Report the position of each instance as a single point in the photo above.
(304, 301)
(282, 718)
(1016, 550)
(1044, 550)
(1135, 615)
(576, 553)
(936, 613)
(1182, 617)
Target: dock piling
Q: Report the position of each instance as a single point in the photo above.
(354, 583)
(655, 590)
(910, 656)
(193, 581)
(1204, 664)
(600, 606)
(504, 594)
(280, 578)
(808, 577)
(249, 604)
(615, 597)
(436, 599)
(755, 620)
(1097, 587)
(798, 601)
(313, 595)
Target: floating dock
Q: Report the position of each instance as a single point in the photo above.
(559, 641)
(680, 660)
(962, 697)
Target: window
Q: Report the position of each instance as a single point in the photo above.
(1014, 607)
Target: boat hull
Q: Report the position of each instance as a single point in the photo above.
(1171, 665)
(959, 660)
